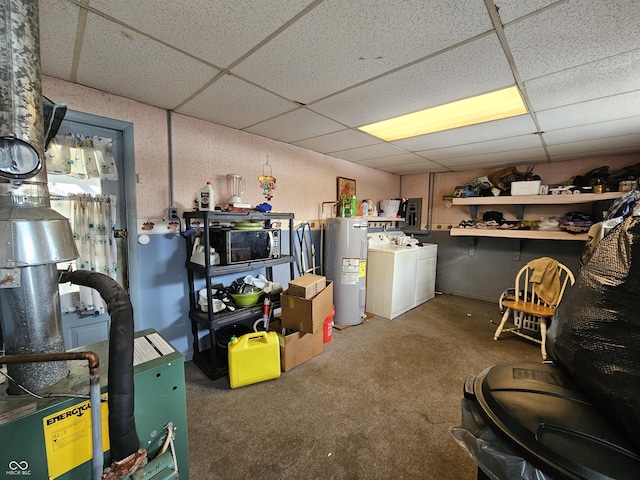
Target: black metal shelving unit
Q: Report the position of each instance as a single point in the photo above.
(211, 361)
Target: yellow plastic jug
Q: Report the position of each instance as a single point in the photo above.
(253, 358)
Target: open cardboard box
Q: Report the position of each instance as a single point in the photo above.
(306, 315)
(296, 347)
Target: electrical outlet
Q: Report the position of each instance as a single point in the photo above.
(173, 213)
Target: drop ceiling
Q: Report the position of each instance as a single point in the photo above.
(309, 73)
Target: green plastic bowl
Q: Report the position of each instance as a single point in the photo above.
(245, 299)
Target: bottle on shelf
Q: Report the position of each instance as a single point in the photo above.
(341, 206)
(365, 208)
(206, 200)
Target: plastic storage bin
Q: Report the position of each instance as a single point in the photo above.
(253, 358)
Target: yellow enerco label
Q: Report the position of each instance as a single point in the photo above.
(67, 437)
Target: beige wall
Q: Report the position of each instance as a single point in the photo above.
(205, 151)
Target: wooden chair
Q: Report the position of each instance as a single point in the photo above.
(530, 312)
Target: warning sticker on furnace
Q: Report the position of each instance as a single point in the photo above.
(67, 437)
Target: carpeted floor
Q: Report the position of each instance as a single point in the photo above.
(378, 403)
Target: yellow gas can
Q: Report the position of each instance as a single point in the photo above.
(253, 358)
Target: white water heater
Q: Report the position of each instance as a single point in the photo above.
(346, 266)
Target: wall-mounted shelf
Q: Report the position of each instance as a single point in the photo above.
(518, 234)
(520, 202)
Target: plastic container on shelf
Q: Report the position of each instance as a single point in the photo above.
(206, 198)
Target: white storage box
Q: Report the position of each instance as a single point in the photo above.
(530, 187)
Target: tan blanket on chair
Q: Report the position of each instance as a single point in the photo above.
(546, 277)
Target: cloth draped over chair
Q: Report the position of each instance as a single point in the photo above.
(546, 277)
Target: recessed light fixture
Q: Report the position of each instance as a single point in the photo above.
(503, 103)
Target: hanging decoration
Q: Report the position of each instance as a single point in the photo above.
(267, 180)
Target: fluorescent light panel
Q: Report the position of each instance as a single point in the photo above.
(482, 108)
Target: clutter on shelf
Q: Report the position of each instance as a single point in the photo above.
(511, 181)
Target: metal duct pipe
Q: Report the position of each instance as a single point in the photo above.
(33, 237)
(21, 119)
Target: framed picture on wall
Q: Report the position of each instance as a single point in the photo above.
(346, 187)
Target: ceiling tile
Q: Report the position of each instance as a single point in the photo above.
(603, 78)
(569, 35)
(473, 68)
(358, 62)
(491, 164)
(294, 126)
(158, 69)
(393, 160)
(594, 111)
(614, 128)
(480, 148)
(57, 44)
(594, 154)
(520, 125)
(218, 32)
(424, 167)
(511, 157)
(607, 144)
(235, 103)
(369, 152)
(342, 140)
(339, 44)
(509, 10)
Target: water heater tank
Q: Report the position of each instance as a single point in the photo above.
(346, 266)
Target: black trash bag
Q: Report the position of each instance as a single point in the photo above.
(595, 333)
(593, 177)
(626, 173)
(493, 216)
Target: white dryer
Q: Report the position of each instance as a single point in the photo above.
(426, 272)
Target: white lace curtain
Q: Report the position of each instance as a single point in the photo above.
(93, 225)
(81, 157)
(92, 221)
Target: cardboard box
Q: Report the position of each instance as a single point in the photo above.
(530, 187)
(307, 286)
(296, 347)
(306, 314)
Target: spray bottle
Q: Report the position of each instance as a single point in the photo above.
(266, 313)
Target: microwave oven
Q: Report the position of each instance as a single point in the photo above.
(242, 246)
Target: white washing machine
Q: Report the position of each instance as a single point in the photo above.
(391, 280)
(399, 277)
